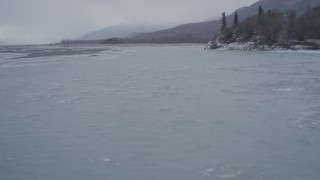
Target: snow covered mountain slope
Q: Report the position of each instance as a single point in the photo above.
(120, 31)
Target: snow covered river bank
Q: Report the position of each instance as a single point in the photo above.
(167, 112)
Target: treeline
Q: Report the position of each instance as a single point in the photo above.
(159, 40)
(272, 27)
(71, 42)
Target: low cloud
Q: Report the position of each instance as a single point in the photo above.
(43, 21)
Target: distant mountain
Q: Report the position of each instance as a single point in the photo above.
(204, 31)
(120, 31)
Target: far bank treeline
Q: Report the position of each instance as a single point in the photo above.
(270, 28)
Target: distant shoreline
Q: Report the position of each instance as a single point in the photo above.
(311, 44)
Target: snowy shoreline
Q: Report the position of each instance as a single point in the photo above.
(294, 46)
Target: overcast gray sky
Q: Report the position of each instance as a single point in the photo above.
(44, 21)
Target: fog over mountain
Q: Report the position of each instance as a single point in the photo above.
(203, 31)
(121, 31)
(44, 21)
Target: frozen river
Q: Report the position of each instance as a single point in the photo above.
(169, 112)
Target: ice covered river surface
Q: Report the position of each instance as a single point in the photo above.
(161, 112)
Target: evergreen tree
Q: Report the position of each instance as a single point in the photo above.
(224, 22)
(260, 10)
(235, 19)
